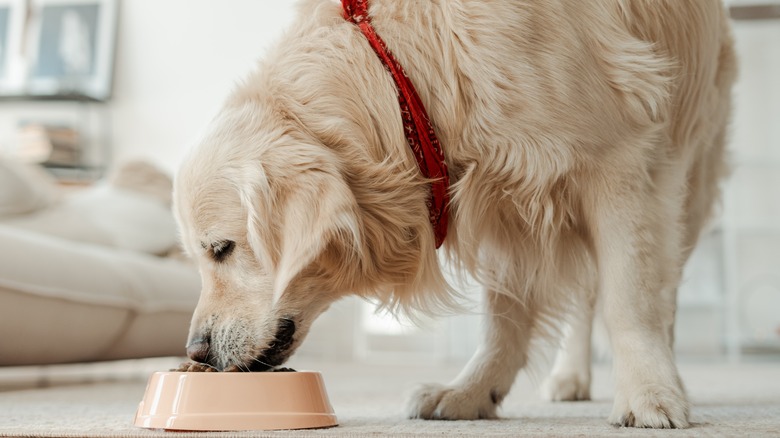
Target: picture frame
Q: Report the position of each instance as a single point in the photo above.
(13, 15)
(72, 49)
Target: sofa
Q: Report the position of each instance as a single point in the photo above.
(92, 272)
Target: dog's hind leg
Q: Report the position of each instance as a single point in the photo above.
(637, 239)
(487, 378)
(570, 376)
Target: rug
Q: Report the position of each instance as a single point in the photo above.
(729, 400)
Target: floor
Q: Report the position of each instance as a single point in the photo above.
(99, 400)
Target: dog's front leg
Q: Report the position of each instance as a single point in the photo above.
(487, 378)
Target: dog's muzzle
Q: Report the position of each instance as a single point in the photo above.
(199, 350)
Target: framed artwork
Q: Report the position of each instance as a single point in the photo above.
(13, 15)
(72, 48)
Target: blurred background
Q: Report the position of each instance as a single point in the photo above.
(99, 101)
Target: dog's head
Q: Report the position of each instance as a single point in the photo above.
(273, 226)
(296, 197)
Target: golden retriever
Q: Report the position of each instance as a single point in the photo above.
(584, 141)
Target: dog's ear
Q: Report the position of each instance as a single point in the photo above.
(303, 207)
(316, 212)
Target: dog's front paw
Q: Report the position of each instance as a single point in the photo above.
(566, 387)
(652, 406)
(195, 367)
(439, 402)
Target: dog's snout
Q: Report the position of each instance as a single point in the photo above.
(198, 350)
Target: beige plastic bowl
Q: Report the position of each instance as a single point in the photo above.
(235, 401)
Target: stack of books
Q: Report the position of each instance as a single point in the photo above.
(49, 145)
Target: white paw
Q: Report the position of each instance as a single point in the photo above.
(566, 387)
(439, 402)
(651, 406)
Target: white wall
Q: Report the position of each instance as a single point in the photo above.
(752, 195)
(176, 62)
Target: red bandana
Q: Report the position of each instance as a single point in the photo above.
(417, 126)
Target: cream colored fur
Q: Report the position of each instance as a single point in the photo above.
(584, 140)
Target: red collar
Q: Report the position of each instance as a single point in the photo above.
(417, 126)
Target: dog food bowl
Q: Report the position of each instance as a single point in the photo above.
(235, 401)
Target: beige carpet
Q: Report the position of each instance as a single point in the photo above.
(728, 401)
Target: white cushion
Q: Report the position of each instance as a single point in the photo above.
(106, 215)
(23, 188)
(65, 301)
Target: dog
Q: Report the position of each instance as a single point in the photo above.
(584, 143)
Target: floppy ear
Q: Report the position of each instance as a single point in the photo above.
(319, 208)
(295, 213)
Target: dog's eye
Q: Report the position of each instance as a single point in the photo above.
(221, 250)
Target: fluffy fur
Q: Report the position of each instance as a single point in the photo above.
(585, 141)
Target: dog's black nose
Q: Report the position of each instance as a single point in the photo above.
(198, 350)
